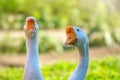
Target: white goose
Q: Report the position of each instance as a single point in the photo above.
(32, 68)
(77, 37)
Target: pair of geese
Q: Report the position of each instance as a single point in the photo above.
(74, 36)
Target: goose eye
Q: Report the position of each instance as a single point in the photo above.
(78, 30)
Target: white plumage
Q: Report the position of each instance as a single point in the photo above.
(32, 68)
(77, 37)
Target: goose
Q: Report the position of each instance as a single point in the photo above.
(76, 37)
(32, 68)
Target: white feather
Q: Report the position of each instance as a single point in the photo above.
(80, 72)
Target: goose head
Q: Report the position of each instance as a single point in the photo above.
(75, 36)
(30, 27)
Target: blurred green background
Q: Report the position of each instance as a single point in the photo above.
(99, 18)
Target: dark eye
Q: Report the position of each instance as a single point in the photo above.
(78, 30)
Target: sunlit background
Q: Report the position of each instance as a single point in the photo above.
(100, 19)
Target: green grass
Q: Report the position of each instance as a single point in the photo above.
(106, 69)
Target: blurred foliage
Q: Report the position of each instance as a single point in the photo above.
(60, 13)
(104, 36)
(13, 45)
(16, 45)
(49, 44)
(106, 69)
(101, 19)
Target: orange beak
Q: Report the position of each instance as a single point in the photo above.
(71, 36)
(30, 24)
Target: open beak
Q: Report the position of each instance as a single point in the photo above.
(71, 36)
(30, 24)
